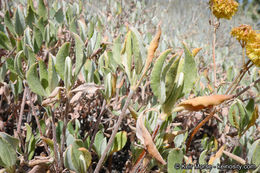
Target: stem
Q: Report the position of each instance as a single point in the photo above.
(248, 87)
(198, 127)
(63, 137)
(57, 165)
(244, 68)
(213, 55)
(111, 139)
(243, 55)
(20, 117)
(240, 78)
(21, 111)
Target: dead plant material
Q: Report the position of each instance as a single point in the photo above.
(146, 139)
(203, 102)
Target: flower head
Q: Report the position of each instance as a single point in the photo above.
(253, 50)
(244, 34)
(223, 8)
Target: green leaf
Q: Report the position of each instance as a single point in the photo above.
(68, 159)
(34, 81)
(68, 73)
(37, 37)
(119, 142)
(59, 16)
(30, 141)
(8, 22)
(137, 53)
(202, 159)
(129, 50)
(60, 59)
(10, 139)
(80, 56)
(53, 79)
(116, 50)
(90, 30)
(7, 155)
(18, 64)
(175, 158)
(19, 21)
(43, 74)
(256, 156)
(156, 73)
(238, 116)
(4, 41)
(30, 18)
(190, 70)
(173, 88)
(30, 55)
(99, 143)
(42, 11)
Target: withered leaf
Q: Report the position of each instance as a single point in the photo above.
(89, 88)
(152, 48)
(202, 102)
(146, 139)
(195, 51)
(235, 157)
(217, 155)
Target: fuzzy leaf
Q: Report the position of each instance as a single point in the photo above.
(43, 74)
(190, 70)
(53, 79)
(42, 11)
(7, 154)
(19, 21)
(157, 73)
(80, 56)
(175, 157)
(34, 81)
(60, 59)
(4, 41)
(119, 142)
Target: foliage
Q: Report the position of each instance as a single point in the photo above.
(86, 82)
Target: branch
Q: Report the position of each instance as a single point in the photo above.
(111, 139)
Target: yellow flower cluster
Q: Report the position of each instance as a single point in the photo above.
(244, 34)
(253, 50)
(223, 8)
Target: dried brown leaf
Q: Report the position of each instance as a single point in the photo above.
(234, 157)
(152, 48)
(89, 88)
(203, 102)
(195, 51)
(217, 155)
(76, 97)
(146, 139)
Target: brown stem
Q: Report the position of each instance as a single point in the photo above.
(111, 139)
(214, 58)
(21, 117)
(243, 70)
(241, 77)
(57, 163)
(21, 111)
(198, 127)
(247, 88)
